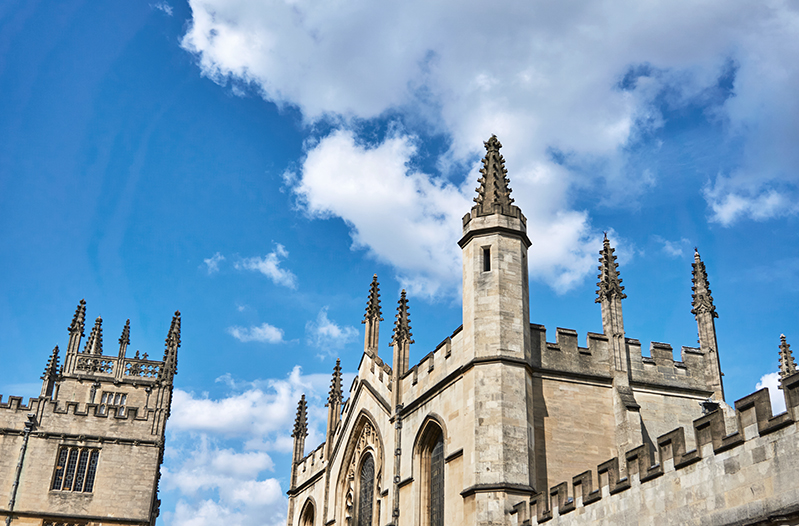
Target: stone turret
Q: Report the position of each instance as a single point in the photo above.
(334, 399)
(170, 368)
(372, 318)
(610, 292)
(704, 311)
(787, 365)
(50, 375)
(496, 337)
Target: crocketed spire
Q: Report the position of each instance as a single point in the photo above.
(125, 338)
(402, 325)
(373, 310)
(493, 194)
(94, 345)
(78, 320)
(301, 422)
(170, 367)
(51, 369)
(335, 384)
(609, 284)
(702, 301)
(787, 365)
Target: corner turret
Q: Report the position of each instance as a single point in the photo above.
(75, 330)
(704, 311)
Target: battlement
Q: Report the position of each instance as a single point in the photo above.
(432, 367)
(311, 464)
(375, 370)
(625, 486)
(658, 369)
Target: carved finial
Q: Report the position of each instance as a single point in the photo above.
(51, 369)
(702, 301)
(373, 310)
(609, 284)
(79, 319)
(335, 395)
(94, 345)
(787, 365)
(301, 422)
(493, 194)
(402, 325)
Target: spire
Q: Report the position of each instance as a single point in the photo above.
(335, 385)
(50, 374)
(51, 369)
(301, 422)
(493, 194)
(787, 365)
(170, 366)
(402, 326)
(78, 320)
(94, 345)
(609, 281)
(702, 300)
(373, 310)
(124, 340)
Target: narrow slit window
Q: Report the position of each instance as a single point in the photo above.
(486, 259)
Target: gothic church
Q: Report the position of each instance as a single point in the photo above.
(499, 426)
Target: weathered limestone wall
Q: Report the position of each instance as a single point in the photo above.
(663, 411)
(574, 428)
(745, 477)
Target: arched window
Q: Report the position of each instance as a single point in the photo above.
(436, 482)
(366, 490)
(430, 451)
(307, 515)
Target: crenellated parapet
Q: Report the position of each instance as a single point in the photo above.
(311, 465)
(704, 463)
(659, 368)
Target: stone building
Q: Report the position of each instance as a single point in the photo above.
(499, 425)
(87, 451)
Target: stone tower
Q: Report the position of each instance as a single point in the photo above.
(496, 323)
(89, 448)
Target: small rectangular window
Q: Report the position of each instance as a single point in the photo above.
(486, 259)
(75, 464)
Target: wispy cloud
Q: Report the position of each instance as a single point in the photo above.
(673, 248)
(212, 263)
(771, 381)
(263, 333)
(323, 333)
(269, 266)
(732, 199)
(163, 6)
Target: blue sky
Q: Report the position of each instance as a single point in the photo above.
(254, 163)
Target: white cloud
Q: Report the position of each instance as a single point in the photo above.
(163, 6)
(263, 333)
(212, 263)
(218, 453)
(771, 380)
(326, 334)
(580, 81)
(673, 248)
(269, 266)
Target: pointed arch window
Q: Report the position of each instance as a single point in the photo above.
(307, 515)
(431, 470)
(366, 490)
